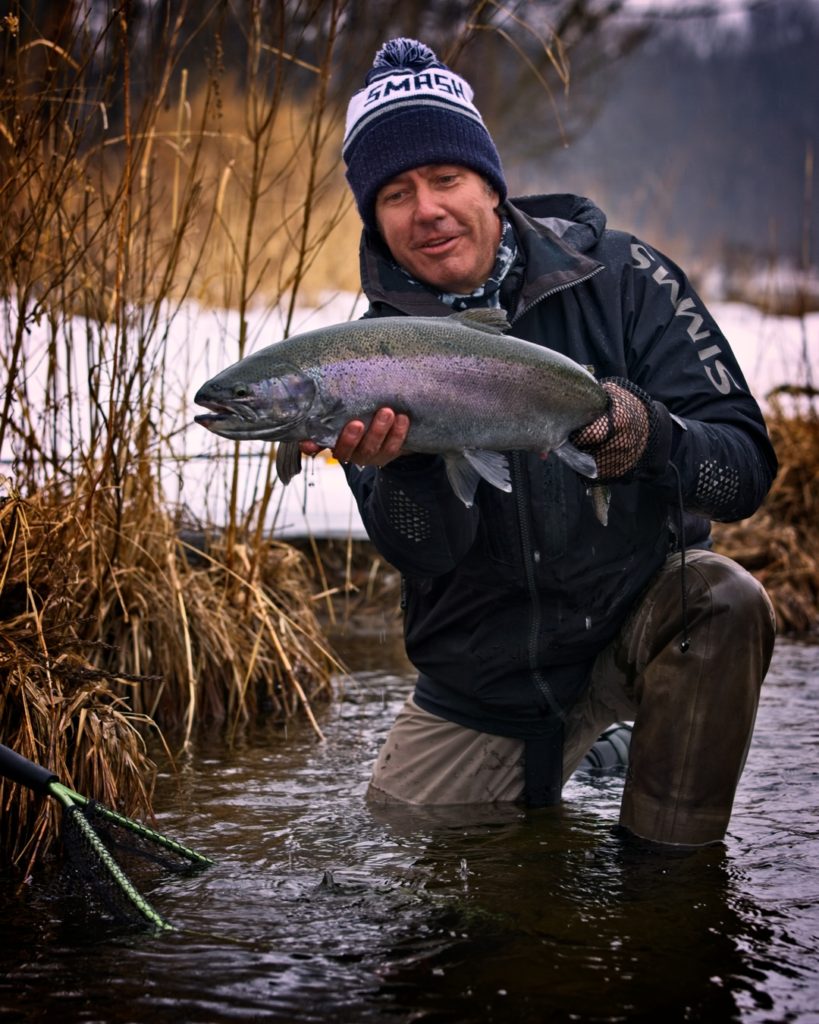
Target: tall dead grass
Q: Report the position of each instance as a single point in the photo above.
(112, 621)
(123, 196)
(780, 543)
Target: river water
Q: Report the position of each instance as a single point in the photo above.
(321, 909)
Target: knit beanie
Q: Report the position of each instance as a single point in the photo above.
(413, 111)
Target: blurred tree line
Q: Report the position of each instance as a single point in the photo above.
(707, 143)
(518, 55)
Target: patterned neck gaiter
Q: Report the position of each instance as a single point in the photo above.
(487, 294)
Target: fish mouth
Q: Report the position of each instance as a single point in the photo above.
(237, 421)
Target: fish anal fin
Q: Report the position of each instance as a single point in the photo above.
(600, 496)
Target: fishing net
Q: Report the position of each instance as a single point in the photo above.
(89, 835)
(624, 438)
(98, 873)
(134, 843)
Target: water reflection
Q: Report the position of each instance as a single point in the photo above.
(322, 908)
(555, 916)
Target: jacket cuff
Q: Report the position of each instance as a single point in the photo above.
(655, 458)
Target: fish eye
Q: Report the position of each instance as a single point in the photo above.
(240, 390)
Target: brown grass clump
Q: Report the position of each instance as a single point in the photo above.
(110, 622)
(780, 543)
(127, 189)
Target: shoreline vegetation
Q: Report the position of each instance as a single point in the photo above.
(131, 187)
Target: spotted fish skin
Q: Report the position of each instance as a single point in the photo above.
(471, 391)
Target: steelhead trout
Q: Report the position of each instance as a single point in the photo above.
(471, 392)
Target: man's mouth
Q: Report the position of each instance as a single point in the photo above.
(437, 245)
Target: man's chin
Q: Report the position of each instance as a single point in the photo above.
(445, 279)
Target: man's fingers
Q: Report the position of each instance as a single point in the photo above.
(374, 446)
(348, 441)
(372, 442)
(394, 441)
(379, 444)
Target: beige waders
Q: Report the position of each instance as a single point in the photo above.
(693, 713)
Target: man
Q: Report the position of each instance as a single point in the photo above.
(532, 625)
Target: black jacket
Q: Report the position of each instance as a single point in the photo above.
(508, 602)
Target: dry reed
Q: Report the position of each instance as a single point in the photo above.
(122, 196)
(92, 650)
(780, 543)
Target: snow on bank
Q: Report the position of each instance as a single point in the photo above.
(195, 343)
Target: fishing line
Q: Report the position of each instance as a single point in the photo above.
(88, 825)
(685, 642)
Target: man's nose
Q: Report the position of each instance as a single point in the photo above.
(428, 204)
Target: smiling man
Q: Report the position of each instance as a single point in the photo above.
(532, 625)
(440, 222)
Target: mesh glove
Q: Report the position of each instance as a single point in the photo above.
(624, 438)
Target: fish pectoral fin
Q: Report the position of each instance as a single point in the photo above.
(580, 462)
(465, 469)
(288, 460)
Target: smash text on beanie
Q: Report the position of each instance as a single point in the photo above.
(413, 111)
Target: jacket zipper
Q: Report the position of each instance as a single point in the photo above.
(531, 556)
(555, 291)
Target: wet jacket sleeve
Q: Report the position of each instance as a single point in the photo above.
(715, 434)
(412, 515)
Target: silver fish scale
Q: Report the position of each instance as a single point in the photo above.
(457, 401)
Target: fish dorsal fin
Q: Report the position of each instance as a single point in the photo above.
(491, 320)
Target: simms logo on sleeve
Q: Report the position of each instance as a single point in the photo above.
(715, 369)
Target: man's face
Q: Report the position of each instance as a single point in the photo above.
(441, 225)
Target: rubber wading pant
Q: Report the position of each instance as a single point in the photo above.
(693, 713)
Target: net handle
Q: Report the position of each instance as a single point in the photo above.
(16, 768)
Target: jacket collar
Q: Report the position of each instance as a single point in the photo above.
(553, 233)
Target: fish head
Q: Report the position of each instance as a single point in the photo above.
(245, 405)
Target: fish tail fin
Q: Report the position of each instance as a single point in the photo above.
(465, 469)
(288, 461)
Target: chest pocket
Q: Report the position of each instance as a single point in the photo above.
(553, 497)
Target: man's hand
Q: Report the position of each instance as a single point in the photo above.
(618, 438)
(376, 446)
